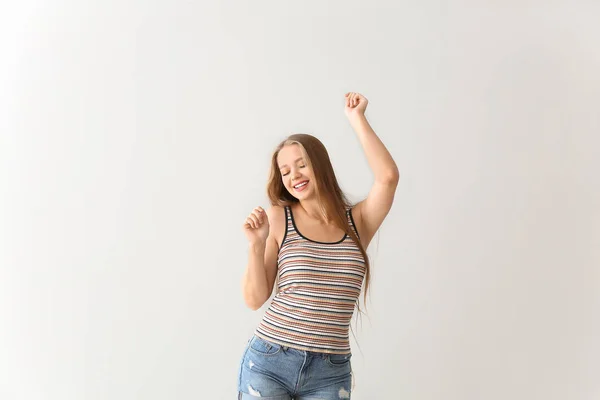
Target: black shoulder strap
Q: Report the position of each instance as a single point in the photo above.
(352, 224)
(288, 213)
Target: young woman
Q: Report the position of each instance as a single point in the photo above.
(313, 242)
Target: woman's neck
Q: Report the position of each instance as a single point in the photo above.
(313, 210)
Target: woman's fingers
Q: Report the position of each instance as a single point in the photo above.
(256, 218)
(251, 222)
(259, 213)
(352, 99)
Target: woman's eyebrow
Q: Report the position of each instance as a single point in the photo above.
(285, 165)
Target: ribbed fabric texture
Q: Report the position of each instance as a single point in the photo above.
(319, 284)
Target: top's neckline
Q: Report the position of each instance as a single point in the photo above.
(311, 240)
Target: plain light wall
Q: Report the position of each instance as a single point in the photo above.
(136, 137)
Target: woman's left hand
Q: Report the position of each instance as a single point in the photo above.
(356, 104)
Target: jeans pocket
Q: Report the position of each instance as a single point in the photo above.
(338, 360)
(264, 347)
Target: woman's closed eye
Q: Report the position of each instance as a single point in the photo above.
(287, 173)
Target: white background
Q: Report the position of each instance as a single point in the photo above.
(135, 137)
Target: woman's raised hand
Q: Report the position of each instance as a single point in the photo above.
(356, 104)
(256, 226)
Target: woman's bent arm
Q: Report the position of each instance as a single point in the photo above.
(258, 280)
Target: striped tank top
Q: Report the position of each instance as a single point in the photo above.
(319, 284)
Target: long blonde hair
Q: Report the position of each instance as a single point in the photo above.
(332, 200)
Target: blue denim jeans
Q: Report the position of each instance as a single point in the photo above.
(269, 371)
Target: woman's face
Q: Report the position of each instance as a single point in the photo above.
(296, 175)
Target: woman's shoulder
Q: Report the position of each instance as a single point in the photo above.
(353, 212)
(351, 209)
(276, 212)
(277, 222)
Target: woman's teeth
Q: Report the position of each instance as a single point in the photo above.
(301, 185)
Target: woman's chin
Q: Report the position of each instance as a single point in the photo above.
(302, 195)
